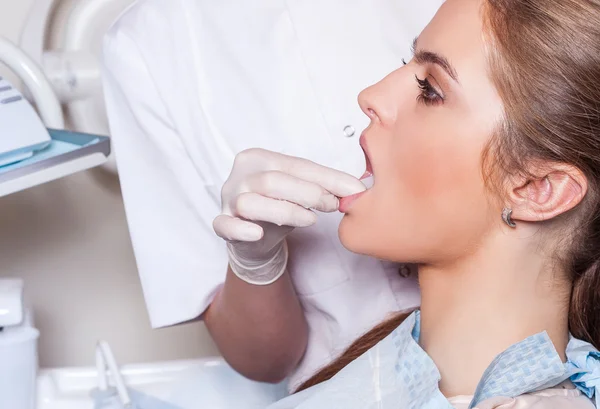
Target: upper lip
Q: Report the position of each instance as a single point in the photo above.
(365, 148)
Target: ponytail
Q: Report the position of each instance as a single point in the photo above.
(584, 312)
(358, 347)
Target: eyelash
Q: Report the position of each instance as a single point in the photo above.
(429, 95)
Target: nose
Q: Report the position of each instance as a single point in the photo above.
(377, 104)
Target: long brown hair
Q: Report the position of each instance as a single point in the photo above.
(544, 59)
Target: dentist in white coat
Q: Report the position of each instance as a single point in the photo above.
(189, 85)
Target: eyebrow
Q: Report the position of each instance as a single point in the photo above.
(429, 57)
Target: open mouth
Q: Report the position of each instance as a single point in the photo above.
(367, 179)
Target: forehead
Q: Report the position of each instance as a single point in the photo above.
(456, 32)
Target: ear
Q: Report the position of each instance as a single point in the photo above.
(555, 190)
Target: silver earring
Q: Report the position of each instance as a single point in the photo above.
(507, 217)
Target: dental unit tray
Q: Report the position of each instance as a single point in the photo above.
(68, 153)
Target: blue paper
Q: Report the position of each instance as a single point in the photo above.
(398, 373)
(55, 148)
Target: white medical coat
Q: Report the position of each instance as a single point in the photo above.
(189, 83)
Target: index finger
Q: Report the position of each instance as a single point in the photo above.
(336, 182)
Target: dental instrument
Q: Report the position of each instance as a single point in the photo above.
(35, 150)
(119, 396)
(24, 133)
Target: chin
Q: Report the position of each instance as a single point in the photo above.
(364, 237)
(351, 237)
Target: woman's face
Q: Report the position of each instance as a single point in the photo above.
(430, 122)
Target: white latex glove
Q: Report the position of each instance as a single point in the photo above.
(266, 196)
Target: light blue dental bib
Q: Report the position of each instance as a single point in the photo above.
(398, 373)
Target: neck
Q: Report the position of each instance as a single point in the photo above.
(477, 307)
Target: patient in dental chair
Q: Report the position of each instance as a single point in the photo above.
(485, 154)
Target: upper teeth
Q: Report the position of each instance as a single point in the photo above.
(368, 182)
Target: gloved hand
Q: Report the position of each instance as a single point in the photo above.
(266, 196)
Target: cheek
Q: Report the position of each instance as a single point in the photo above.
(433, 168)
(429, 200)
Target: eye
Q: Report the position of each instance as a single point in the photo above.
(404, 62)
(429, 95)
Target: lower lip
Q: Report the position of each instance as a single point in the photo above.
(346, 202)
